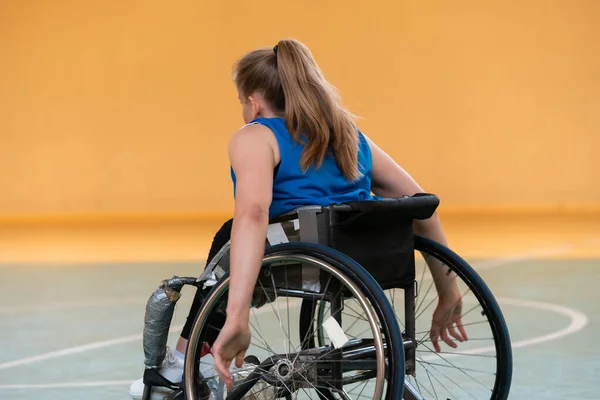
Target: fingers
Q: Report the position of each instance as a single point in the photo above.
(456, 335)
(239, 359)
(434, 334)
(461, 328)
(446, 338)
(440, 330)
(222, 367)
(445, 332)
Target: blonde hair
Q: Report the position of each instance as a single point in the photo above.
(292, 83)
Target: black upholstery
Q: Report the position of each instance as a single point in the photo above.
(378, 234)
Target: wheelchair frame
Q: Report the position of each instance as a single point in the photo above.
(313, 224)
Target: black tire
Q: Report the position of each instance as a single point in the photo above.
(483, 294)
(486, 298)
(369, 288)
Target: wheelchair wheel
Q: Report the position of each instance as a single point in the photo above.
(481, 367)
(282, 361)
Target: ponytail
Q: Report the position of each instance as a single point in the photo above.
(313, 109)
(292, 82)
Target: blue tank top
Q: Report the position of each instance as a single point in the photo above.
(293, 188)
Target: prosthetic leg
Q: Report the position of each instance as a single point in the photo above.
(157, 322)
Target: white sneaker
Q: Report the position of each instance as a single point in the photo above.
(171, 369)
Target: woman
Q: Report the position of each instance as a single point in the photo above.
(299, 147)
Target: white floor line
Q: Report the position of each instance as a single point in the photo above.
(529, 255)
(112, 301)
(77, 349)
(535, 254)
(97, 345)
(577, 322)
(64, 385)
(483, 265)
(116, 301)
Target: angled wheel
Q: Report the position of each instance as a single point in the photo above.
(481, 367)
(363, 360)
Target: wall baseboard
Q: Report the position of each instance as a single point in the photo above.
(521, 210)
(120, 218)
(220, 216)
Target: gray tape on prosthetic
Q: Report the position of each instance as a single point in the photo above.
(157, 320)
(217, 267)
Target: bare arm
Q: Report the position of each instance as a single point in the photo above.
(253, 159)
(390, 180)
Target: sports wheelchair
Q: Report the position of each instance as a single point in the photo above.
(343, 308)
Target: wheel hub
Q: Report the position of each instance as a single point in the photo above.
(283, 370)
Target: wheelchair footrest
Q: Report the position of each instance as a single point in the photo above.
(153, 378)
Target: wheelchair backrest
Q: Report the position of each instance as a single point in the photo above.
(378, 234)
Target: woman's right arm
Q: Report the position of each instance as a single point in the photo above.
(390, 180)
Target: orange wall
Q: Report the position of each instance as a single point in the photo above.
(127, 106)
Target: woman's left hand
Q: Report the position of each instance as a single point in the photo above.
(447, 318)
(232, 343)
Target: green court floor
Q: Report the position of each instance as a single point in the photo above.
(74, 331)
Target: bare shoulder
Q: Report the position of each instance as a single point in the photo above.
(254, 138)
(389, 179)
(251, 131)
(375, 150)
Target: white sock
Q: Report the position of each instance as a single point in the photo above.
(178, 354)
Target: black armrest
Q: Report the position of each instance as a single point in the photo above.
(418, 206)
